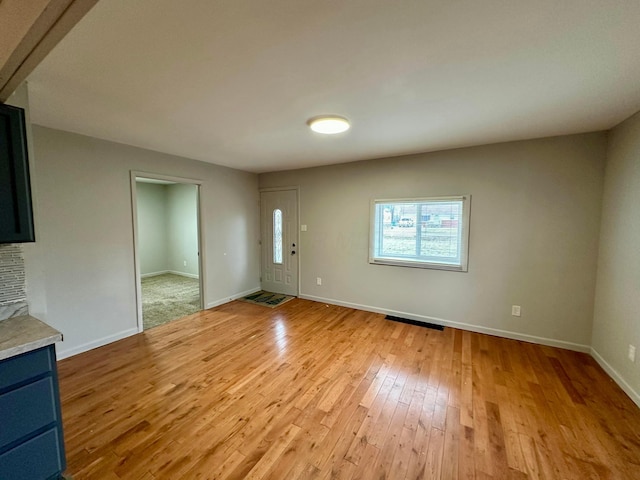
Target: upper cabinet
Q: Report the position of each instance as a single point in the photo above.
(16, 215)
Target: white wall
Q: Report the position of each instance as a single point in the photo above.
(617, 305)
(182, 228)
(152, 227)
(535, 216)
(85, 233)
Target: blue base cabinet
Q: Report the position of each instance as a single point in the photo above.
(31, 437)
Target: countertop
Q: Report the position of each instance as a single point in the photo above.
(23, 334)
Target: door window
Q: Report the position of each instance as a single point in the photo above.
(277, 236)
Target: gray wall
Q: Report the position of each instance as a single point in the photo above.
(617, 305)
(85, 234)
(535, 216)
(152, 227)
(182, 229)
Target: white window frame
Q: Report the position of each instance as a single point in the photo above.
(461, 266)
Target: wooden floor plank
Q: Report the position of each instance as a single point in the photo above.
(315, 391)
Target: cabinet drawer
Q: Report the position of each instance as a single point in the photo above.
(26, 410)
(37, 459)
(25, 366)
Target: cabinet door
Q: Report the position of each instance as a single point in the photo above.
(31, 437)
(37, 459)
(30, 408)
(16, 217)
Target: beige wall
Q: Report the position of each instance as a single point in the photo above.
(617, 306)
(535, 217)
(85, 235)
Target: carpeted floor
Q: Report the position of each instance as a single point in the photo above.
(167, 297)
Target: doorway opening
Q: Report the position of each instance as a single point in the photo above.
(167, 248)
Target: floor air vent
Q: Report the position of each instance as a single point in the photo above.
(415, 322)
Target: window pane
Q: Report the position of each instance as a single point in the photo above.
(399, 230)
(277, 236)
(425, 232)
(441, 230)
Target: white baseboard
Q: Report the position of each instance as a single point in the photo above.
(612, 372)
(462, 326)
(183, 274)
(153, 274)
(233, 297)
(65, 353)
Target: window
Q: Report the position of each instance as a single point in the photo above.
(421, 232)
(277, 236)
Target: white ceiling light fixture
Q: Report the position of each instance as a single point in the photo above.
(329, 124)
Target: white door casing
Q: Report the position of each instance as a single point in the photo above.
(279, 272)
(134, 175)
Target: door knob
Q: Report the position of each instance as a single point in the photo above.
(293, 252)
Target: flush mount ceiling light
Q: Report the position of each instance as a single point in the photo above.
(329, 124)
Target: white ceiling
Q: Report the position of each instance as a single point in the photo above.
(233, 82)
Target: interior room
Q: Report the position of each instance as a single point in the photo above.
(168, 248)
(512, 357)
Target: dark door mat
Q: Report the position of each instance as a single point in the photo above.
(415, 322)
(267, 299)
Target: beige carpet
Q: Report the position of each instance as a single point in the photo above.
(168, 297)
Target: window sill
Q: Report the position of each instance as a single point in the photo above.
(429, 265)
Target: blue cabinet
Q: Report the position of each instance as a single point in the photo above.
(16, 216)
(31, 438)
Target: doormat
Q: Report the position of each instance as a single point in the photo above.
(415, 322)
(267, 299)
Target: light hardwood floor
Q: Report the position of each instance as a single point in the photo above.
(310, 391)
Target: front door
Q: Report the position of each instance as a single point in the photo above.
(279, 232)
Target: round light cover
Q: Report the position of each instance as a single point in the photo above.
(329, 124)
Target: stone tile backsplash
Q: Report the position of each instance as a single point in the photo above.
(13, 298)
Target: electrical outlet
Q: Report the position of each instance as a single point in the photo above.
(184, 263)
(632, 353)
(318, 281)
(303, 228)
(515, 310)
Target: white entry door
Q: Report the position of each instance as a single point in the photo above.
(279, 239)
